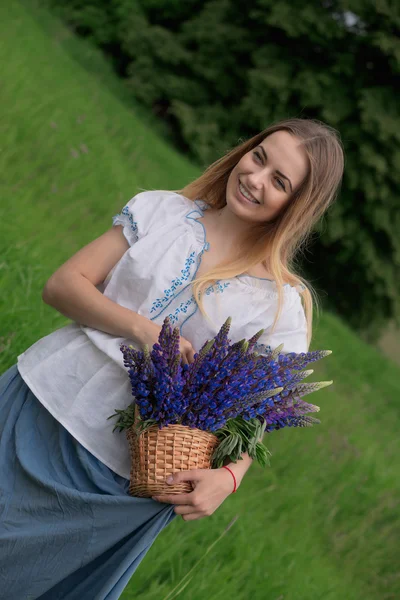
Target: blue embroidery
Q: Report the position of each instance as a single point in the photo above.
(163, 303)
(185, 305)
(169, 292)
(220, 288)
(126, 213)
(209, 290)
(160, 304)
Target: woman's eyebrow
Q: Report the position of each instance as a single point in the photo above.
(276, 171)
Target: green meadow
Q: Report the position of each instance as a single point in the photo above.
(322, 523)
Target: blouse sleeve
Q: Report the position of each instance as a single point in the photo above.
(290, 330)
(146, 212)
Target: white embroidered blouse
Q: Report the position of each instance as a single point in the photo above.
(77, 372)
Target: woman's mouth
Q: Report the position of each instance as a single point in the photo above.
(244, 195)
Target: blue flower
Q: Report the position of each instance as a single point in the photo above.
(224, 381)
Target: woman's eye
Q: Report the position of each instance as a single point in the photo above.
(280, 182)
(282, 185)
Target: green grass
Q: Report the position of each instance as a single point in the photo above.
(323, 522)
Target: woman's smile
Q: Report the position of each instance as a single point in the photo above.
(244, 194)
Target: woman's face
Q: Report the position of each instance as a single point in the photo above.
(269, 173)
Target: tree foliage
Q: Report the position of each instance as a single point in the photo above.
(219, 71)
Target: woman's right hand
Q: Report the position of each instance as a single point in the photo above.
(147, 332)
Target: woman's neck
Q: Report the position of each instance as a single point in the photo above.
(229, 226)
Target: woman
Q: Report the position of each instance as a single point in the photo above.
(222, 246)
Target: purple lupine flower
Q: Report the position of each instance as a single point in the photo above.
(224, 381)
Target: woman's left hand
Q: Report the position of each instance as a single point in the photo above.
(211, 488)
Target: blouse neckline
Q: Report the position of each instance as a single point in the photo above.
(201, 237)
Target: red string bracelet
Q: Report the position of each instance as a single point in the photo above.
(233, 475)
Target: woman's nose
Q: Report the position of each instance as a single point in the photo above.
(256, 180)
(259, 177)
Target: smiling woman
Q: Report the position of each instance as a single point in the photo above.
(266, 195)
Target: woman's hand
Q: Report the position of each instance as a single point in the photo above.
(211, 488)
(147, 332)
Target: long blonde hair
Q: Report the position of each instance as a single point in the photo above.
(279, 241)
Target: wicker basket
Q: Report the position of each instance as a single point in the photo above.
(157, 453)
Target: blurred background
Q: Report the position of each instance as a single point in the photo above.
(102, 98)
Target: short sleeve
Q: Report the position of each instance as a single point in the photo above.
(290, 330)
(129, 226)
(146, 212)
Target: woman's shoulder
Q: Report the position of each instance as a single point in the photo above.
(149, 210)
(160, 199)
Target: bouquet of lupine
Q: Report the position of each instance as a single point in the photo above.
(229, 396)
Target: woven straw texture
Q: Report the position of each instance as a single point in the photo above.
(157, 453)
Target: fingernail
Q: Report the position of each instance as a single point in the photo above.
(169, 479)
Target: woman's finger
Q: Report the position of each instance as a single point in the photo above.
(175, 498)
(193, 516)
(183, 509)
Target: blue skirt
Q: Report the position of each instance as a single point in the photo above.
(68, 528)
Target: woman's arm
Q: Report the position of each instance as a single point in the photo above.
(239, 468)
(74, 296)
(72, 288)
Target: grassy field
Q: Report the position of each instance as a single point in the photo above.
(323, 522)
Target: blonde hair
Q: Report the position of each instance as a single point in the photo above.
(280, 240)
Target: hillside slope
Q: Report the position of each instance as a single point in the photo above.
(322, 522)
